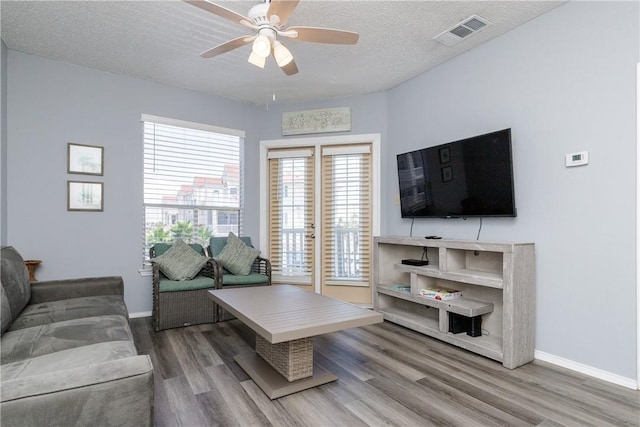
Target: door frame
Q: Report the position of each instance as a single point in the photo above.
(637, 226)
(317, 143)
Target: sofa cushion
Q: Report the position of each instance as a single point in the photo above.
(5, 310)
(58, 336)
(68, 309)
(180, 262)
(249, 279)
(15, 281)
(236, 256)
(198, 282)
(68, 359)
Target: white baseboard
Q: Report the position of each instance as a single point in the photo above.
(140, 314)
(587, 370)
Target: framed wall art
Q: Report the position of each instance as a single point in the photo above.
(316, 121)
(85, 196)
(85, 159)
(447, 174)
(445, 155)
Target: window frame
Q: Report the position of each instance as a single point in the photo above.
(227, 132)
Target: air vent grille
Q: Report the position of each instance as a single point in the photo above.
(462, 30)
(475, 24)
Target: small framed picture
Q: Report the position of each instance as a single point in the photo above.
(445, 155)
(85, 159)
(447, 174)
(85, 196)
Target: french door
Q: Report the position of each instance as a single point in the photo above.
(347, 238)
(292, 216)
(321, 217)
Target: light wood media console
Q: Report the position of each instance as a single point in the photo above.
(497, 281)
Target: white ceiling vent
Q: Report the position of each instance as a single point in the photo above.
(462, 30)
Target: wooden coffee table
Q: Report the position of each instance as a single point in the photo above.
(286, 319)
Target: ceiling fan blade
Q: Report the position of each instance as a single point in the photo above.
(323, 35)
(282, 8)
(290, 69)
(226, 47)
(219, 10)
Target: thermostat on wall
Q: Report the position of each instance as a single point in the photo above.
(577, 159)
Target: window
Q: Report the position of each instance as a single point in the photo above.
(192, 181)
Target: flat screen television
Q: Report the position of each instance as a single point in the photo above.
(472, 177)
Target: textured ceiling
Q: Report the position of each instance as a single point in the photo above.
(161, 41)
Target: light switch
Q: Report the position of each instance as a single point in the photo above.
(577, 159)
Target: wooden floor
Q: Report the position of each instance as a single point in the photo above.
(389, 376)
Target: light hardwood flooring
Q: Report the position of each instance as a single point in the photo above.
(388, 376)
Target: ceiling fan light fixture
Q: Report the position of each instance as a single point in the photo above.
(261, 46)
(257, 60)
(282, 55)
(268, 20)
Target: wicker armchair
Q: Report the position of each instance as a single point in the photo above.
(260, 273)
(184, 303)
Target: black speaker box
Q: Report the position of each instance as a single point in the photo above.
(471, 325)
(415, 262)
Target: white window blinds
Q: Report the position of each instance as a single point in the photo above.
(291, 208)
(346, 213)
(192, 181)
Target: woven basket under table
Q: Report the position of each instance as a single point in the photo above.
(292, 359)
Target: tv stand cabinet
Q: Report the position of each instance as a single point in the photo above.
(497, 281)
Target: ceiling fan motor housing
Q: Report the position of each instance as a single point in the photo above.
(258, 15)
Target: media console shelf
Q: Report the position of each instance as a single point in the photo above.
(497, 281)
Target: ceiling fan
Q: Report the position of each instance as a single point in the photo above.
(267, 20)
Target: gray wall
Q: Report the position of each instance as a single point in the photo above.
(563, 85)
(560, 82)
(52, 103)
(3, 143)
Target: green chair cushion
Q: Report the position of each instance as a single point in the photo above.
(198, 282)
(160, 248)
(249, 279)
(217, 243)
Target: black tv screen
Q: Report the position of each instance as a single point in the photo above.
(472, 177)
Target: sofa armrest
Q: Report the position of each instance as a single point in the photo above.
(116, 392)
(55, 290)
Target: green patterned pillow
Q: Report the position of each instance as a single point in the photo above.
(180, 262)
(236, 256)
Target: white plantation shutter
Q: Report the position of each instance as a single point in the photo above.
(192, 181)
(291, 207)
(346, 213)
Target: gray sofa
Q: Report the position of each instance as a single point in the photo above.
(67, 353)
